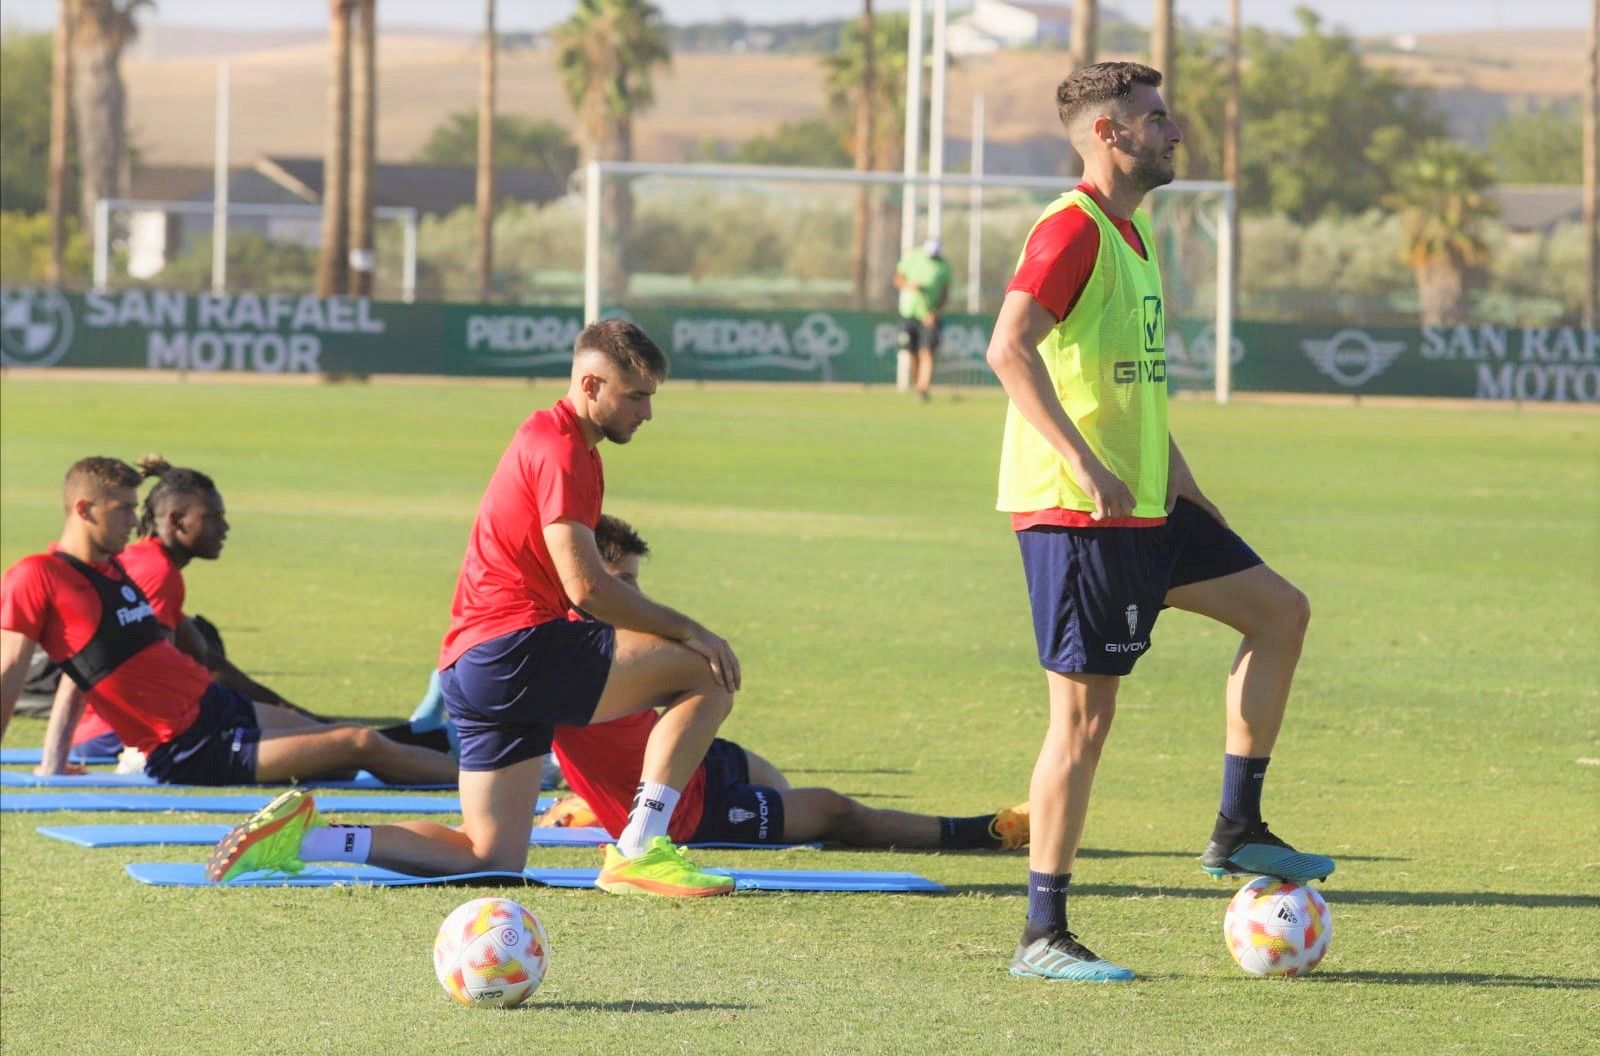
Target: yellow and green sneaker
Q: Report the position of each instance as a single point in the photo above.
(660, 870)
(268, 840)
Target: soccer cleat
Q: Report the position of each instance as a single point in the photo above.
(1240, 849)
(660, 870)
(268, 840)
(573, 812)
(1010, 827)
(429, 713)
(1062, 956)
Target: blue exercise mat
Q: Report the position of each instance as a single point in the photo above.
(35, 756)
(105, 779)
(192, 874)
(245, 804)
(158, 835)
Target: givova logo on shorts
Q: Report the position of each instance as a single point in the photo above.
(35, 327)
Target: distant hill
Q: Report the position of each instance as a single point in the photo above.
(279, 91)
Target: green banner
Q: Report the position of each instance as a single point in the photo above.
(167, 330)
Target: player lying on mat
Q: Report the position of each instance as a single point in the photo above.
(736, 796)
(79, 604)
(183, 518)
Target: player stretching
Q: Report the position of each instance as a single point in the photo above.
(735, 795)
(513, 666)
(1111, 523)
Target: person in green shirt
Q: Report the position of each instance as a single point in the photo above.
(923, 279)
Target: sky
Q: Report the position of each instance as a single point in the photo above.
(1360, 17)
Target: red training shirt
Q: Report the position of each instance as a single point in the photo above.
(602, 762)
(1056, 264)
(148, 699)
(508, 581)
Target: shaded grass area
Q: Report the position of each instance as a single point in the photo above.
(844, 541)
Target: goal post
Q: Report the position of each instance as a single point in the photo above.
(775, 237)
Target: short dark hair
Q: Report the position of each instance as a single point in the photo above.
(616, 539)
(1100, 83)
(98, 474)
(172, 483)
(625, 345)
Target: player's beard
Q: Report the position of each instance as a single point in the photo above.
(615, 435)
(1152, 170)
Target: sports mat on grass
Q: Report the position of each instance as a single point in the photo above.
(155, 802)
(35, 756)
(106, 779)
(192, 874)
(158, 835)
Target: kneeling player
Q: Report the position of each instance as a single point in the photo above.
(736, 796)
(78, 602)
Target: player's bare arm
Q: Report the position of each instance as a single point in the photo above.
(1181, 484)
(608, 599)
(1014, 357)
(16, 649)
(65, 712)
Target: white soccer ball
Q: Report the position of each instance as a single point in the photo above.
(490, 953)
(1277, 927)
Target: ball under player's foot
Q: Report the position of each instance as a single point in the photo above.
(1062, 956)
(1249, 849)
(268, 840)
(1010, 827)
(660, 870)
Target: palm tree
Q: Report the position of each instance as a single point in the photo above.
(486, 156)
(102, 29)
(844, 72)
(1083, 32)
(56, 190)
(606, 53)
(862, 232)
(363, 146)
(333, 256)
(1442, 208)
(1164, 51)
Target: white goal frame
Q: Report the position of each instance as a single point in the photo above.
(595, 173)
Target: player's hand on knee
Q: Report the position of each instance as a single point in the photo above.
(719, 655)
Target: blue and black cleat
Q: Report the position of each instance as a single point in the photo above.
(1240, 849)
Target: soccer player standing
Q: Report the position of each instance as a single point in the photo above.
(1109, 519)
(513, 667)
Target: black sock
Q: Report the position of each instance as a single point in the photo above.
(965, 834)
(1047, 905)
(1242, 778)
(402, 733)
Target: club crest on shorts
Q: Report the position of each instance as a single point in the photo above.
(738, 815)
(1132, 612)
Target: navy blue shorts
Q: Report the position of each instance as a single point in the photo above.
(218, 748)
(735, 811)
(1096, 592)
(506, 696)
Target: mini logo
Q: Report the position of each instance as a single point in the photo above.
(654, 804)
(1351, 357)
(508, 937)
(128, 594)
(349, 842)
(1155, 326)
(738, 815)
(820, 337)
(1286, 914)
(1132, 612)
(35, 327)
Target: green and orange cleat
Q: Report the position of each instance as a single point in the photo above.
(660, 870)
(269, 840)
(1010, 827)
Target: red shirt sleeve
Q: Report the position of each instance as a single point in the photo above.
(1058, 260)
(563, 483)
(25, 599)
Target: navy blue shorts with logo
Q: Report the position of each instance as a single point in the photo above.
(735, 811)
(1096, 592)
(506, 696)
(218, 748)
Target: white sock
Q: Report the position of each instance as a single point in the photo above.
(336, 843)
(652, 812)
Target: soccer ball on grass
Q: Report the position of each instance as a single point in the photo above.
(1276, 927)
(490, 953)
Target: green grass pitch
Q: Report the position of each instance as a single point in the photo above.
(1442, 740)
